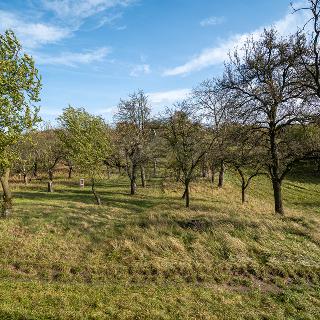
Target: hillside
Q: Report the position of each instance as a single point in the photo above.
(147, 257)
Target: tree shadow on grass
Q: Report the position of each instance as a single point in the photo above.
(119, 210)
(308, 204)
(304, 173)
(62, 210)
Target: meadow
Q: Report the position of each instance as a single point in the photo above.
(148, 257)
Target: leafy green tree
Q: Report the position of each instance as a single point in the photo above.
(20, 86)
(87, 139)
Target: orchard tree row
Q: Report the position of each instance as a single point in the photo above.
(260, 117)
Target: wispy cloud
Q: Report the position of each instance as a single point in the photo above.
(31, 34)
(109, 20)
(164, 98)
(81, 9)
(212, 21)
(73, 59)
(218, 54)
(140, 69)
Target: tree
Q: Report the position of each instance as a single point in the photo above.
(307, 44)
(212, 103)
(116, 158)
(25, 150)
(49, 151)
(86, 137)
(186, 138)
(246, 154)
(133, 134)
(19, 94)
(263, 80)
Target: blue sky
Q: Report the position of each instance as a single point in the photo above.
(91, 53)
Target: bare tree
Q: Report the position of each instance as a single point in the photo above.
(186, 137)
(263, 80)
(212, 104)
(246, 154)
(49, 152)
(307, 44)
(133, 134)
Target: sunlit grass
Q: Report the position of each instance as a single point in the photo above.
(147, 257)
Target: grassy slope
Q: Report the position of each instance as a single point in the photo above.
(147, 257)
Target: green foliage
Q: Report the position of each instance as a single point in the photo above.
(48, 149)
(20, 86)
(86, 137)
(26, 154)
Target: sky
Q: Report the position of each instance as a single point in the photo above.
(91, 53)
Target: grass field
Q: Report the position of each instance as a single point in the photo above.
(147, 257)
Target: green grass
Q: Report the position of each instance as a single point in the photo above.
(147, 257)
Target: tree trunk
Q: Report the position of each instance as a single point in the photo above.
(143, 177)
(93, 188)
(70, 172)
(50, 182)
(50, 186)
(275, 175)
(277, 192)
(35, 170)
(25, 179)
(133, 179)
(50, 173)
(221, 175)
(187, 194)
(154, 168)
(243, 193)
(6, 196)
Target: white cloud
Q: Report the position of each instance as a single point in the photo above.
(72, 59)
(71, 13)
(158, 99)
(31, 34)
(81, 9)
(212, 21)
(218, 54)
(140, 69)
